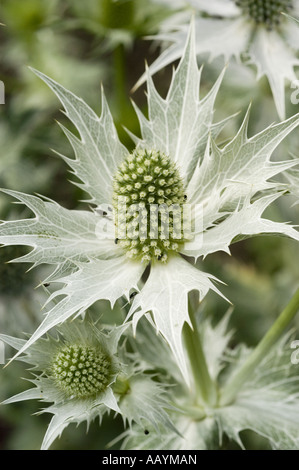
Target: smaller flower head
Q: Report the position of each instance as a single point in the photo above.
(87, 372)
(76, 373)
(81, 371)
(81, 364)
(259, 31)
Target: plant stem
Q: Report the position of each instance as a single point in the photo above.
(230, 391)
(205, 386)
(195, 412)
(120, 80)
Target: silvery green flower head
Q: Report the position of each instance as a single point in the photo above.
(84, 371)
(75, 371)
(259, 31)
(176, 167)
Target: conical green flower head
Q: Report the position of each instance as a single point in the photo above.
(148, 204)
(81, 371)
(267, 12)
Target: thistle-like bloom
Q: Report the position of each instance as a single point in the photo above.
(254, 30)
(81, 372)
(176, 165)
(76, 373)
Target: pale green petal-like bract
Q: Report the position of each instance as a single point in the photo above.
(98, 151)
(55, 233)
(97, 279)
(165, 294)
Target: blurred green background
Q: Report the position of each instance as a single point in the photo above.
(83, 45)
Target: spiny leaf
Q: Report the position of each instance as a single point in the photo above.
(55, 233)
(246, 221)
(144, 390)
(243, 161)
(99, 152)
(95, 280)
(179, 124)
(268, 403)
(165, 294)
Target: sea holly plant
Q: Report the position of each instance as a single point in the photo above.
(178, 197)
(82, 371)
(258, 32)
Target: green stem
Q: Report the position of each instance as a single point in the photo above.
(230, 391)
(205, 386)
(120, 80)
(196, 413)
